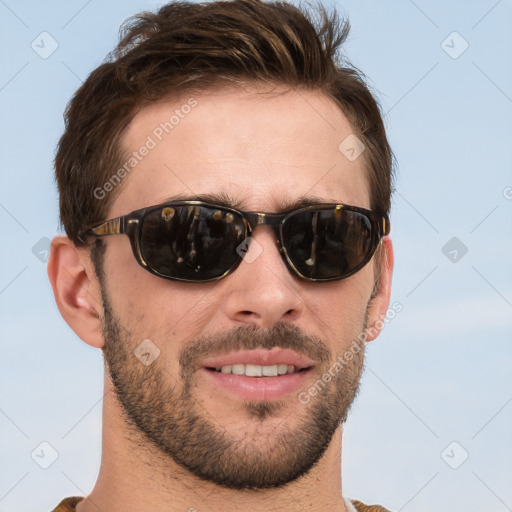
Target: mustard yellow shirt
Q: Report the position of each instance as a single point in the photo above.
(69, 504)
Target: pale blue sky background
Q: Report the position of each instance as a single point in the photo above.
(441, 371)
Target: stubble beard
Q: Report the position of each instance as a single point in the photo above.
(162, 408)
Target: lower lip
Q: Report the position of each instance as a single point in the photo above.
(258, 388)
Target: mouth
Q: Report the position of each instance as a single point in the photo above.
(258, 375)
(255, 370)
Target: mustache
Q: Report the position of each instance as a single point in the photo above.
(249, 337)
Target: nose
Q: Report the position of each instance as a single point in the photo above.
(262, 291)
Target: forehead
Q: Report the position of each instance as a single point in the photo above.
(261, 150)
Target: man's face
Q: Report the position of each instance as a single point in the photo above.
(265, 152)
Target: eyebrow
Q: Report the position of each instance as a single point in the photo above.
(225, 199)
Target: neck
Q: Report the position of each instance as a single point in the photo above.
(136, 476)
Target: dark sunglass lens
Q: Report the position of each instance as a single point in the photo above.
(328, 244)
(195, 243)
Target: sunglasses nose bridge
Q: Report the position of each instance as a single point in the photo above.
(254, 220)
(273, 220)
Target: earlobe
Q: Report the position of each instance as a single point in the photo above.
(379, 305)
(76, 290)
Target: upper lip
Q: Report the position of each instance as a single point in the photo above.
(261, 357)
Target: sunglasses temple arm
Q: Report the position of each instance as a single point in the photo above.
(385, 225)
(110, 227)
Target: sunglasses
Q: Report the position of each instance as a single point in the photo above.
(195, 241)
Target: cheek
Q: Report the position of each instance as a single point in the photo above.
(341, 308)
(168, 312)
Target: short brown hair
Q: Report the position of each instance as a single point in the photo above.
(189, 46)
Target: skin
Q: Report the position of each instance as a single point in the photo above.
(265, 151)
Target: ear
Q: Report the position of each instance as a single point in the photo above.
(379, 305)
(76, 289)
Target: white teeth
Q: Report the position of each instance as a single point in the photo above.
(253, 370)
(269, 371)
(256, 370)
(282, 369)
(238, 369)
